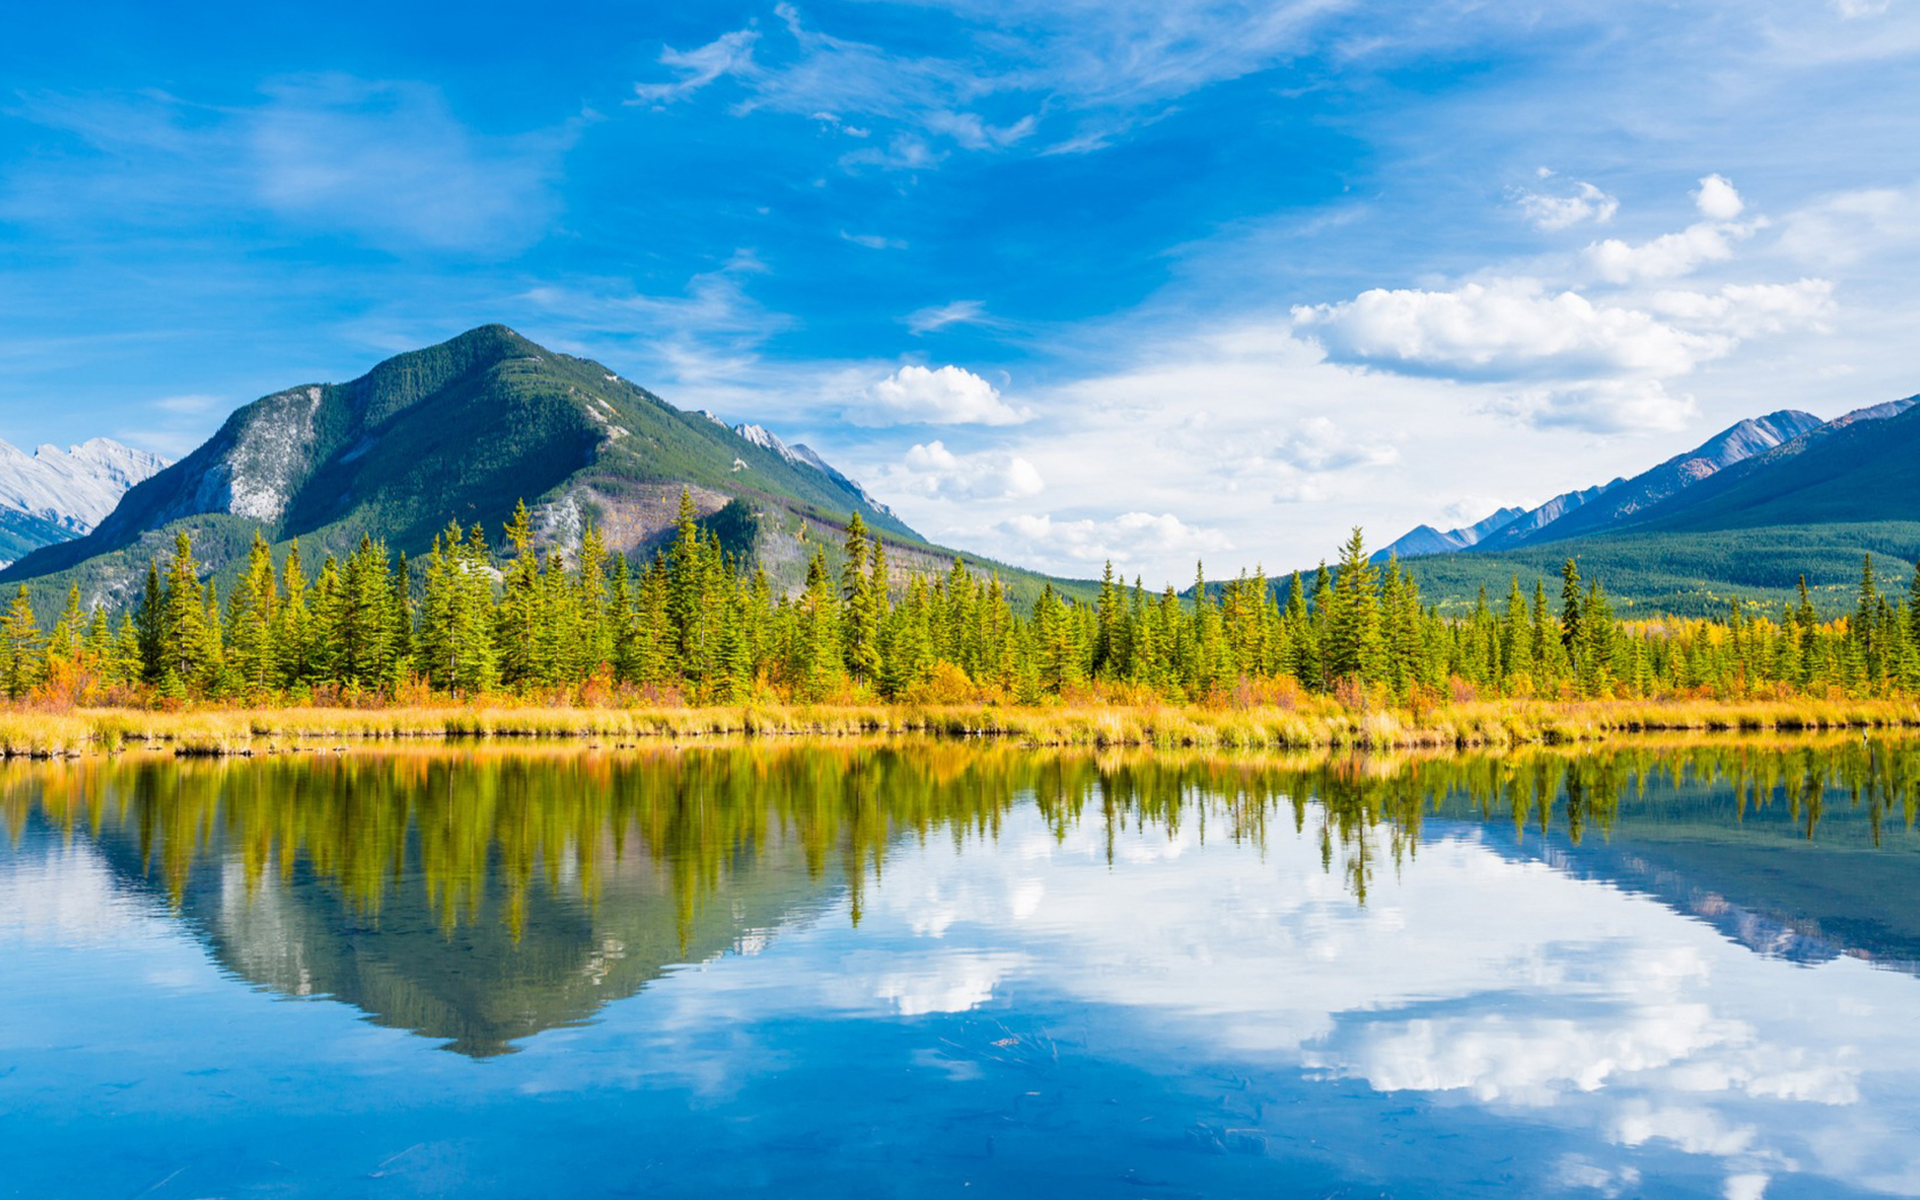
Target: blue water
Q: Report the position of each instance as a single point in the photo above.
(891, 971)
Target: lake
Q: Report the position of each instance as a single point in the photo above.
(909, 968)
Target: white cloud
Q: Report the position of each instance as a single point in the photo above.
(934, 471)
(1717, 199)
(1851, 10)
(1106, 61)
(949, 395)
(1317, 444)
(1668, 256)
(725, 55)
(873, 241)
(974, 134)
(1512, 328)
(939, 316)
(1746, 310)
(385, 161)
(1603, 406)
(1847, 227)
(389, 161)
(1126, 538)
(1586, 203)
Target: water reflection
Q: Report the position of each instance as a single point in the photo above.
(906, 968)
(483, 896)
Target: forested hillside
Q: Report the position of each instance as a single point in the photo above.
(463, 431)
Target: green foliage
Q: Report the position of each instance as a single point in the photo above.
(693, 623)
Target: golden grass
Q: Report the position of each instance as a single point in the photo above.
(1315, 725)
(1321, 725)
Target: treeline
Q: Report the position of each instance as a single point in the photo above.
(691, 625)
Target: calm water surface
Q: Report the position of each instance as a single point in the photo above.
(910, 969)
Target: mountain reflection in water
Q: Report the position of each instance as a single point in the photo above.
(480, 897)
(912, 969)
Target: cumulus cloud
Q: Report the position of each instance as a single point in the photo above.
(1672, 255)
(1511, 328)
(1717, 199)
(1668, 256)
(934, 471)
(1122, 540)
(949, 395)
(1585, 203)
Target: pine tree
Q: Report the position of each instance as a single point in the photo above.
(519, 613)
(860, 631)
(1571, 604)
(252, 613)
(20, 646)
(187, 643)
(1354, 648)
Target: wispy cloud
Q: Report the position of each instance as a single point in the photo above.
(1094, 64)
(873, 241)
(385, 162)
(939, 316)
(728, 54)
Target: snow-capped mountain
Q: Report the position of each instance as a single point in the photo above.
(76, 487)
(52, 494)
(802, 455)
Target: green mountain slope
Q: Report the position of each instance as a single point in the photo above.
(22, 533)
(462, 431)
(1815, 504)
(1864, 470)
(1654, 573)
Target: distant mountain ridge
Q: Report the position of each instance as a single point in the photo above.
(1733, 453)
(54, 495)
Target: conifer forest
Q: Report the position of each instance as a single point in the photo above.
(693, 625)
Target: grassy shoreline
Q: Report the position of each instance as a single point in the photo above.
(217, 731)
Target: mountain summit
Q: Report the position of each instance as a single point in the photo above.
(1624, 502)
(54, 495)
(461, 431)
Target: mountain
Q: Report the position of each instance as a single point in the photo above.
(1864, 466)
(802, 455)
(54, 495)
(1615, 504)
(462, 431)
(1809, 506)
(1425, 539)
(1623, 501)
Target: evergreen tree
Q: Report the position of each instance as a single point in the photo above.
(20, 646)
(1354, 647)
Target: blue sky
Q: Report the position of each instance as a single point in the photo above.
(1062, 281)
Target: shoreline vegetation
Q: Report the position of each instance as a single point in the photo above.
(1318, 724)
(541, 643)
